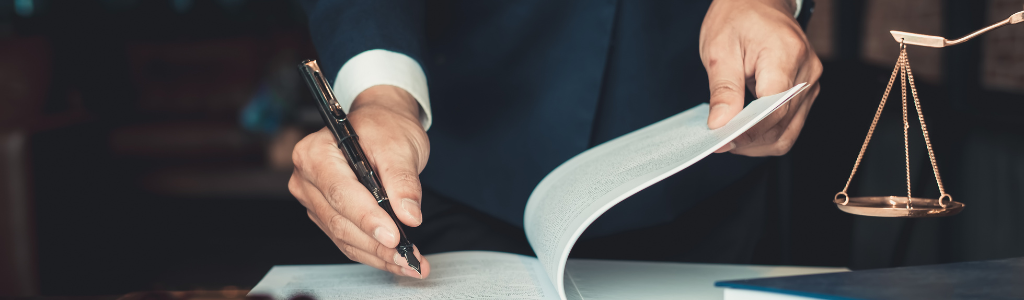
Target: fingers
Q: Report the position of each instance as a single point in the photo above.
(399, 173)
(355, 244)
(351, 240)
(337, 191)
(757, 43)
(398, 158)
(346, 196)
(724, 63)
(778, 66)
(397, 147)
(768, 132)
(334, 224)
(728, 147)
(775, 73)
(775, 70)
(396, 264)
(778, 139)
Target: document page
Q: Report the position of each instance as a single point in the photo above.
(572, 196)
(453, 275)
(595, 279)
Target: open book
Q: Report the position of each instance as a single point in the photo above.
(560, 208)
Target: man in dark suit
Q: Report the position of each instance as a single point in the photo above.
(518, 87)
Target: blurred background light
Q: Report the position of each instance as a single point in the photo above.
(181, 6)
(24, 8)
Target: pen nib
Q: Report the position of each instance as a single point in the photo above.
(406, 250)
(413, 262)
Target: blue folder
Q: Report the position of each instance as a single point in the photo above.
(994, 279)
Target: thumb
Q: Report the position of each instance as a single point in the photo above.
(726, 79)
(395, 144)
(400, 176)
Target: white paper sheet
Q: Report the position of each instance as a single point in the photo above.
(595, 279)
(576, 193)
(453, 275)
(496, 275)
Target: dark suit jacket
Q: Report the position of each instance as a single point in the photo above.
(518, 87)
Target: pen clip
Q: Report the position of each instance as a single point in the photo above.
(322, 90)
(330, 110)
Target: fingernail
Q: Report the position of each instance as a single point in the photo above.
(381, 234)
(399, 260)
(412, 207)
(407, 271)
(715, 114)
(720, 106)
(726, 148)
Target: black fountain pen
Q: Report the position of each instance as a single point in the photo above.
(348, 142)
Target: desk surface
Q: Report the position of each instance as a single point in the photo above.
(226, 294)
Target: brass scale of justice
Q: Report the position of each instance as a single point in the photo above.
(899, 206)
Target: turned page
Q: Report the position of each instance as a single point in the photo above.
(572, 196)
(453, 275)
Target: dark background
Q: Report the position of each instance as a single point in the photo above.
(145, 145)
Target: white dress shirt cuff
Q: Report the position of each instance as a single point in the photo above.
(383, 67)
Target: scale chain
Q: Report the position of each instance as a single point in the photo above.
(874, 122)
(924, 130)
(906, 124)
(906, 76)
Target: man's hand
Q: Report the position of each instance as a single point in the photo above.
(758, 44)
(387, 121)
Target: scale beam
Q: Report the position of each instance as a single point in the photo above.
(939, 42)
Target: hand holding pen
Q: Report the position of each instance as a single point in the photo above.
(396, 147)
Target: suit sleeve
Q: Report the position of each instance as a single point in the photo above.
(344, 29)
(371, 42)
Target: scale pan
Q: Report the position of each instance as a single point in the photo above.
(896, 207)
